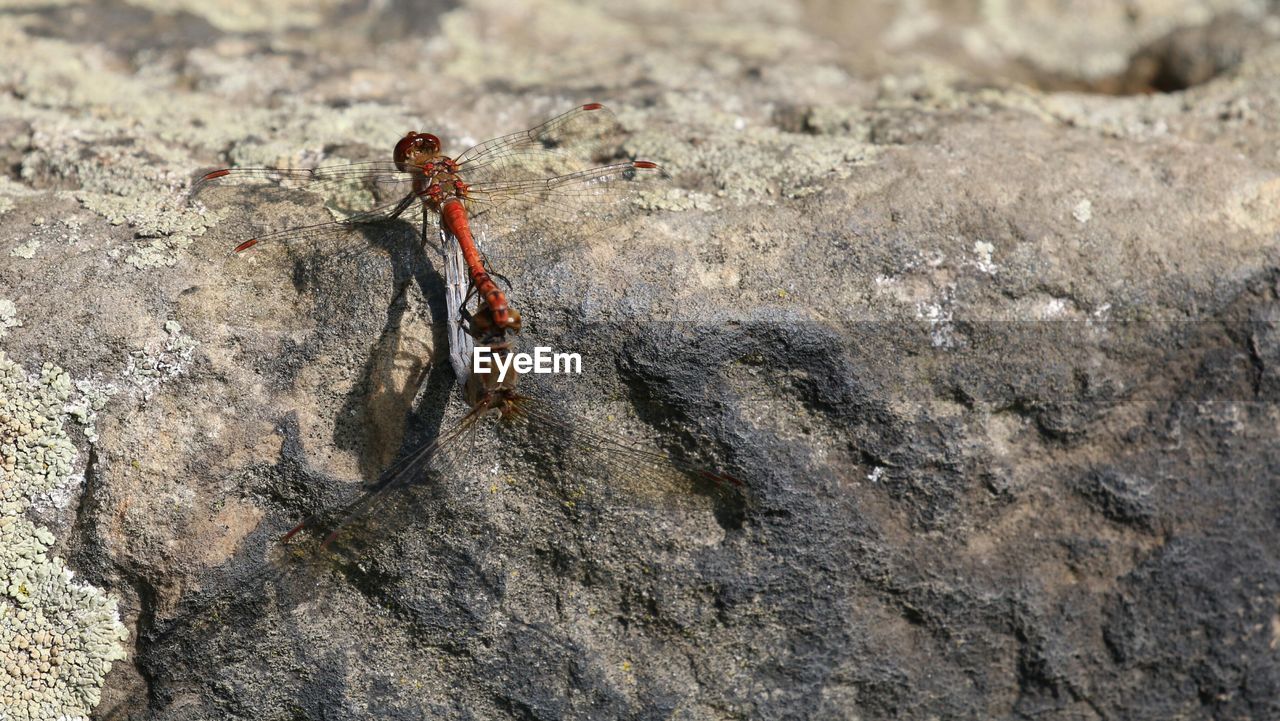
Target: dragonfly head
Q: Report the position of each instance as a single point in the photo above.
(415, 149)
(485, 329)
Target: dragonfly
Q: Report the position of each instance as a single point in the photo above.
(530, 196)
(541, 189)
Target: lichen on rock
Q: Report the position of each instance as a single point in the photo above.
(8, 316)
(147, 369)
(58, 638)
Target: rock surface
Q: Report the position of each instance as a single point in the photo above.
(979, 299)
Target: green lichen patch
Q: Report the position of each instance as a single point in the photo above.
(147, 369)
(8, 316)
(112, 180)
(35, 453)
(26, 250)
(84, 408)
(749, 161)
(10, 189)
(132, 157)
(58, 638)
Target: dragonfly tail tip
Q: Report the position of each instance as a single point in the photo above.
(722, 479)
(292, 532)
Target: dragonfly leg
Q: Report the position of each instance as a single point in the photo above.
(485, 260)
(471, 292)
(503, 278)
(467, 322)
(467, 319)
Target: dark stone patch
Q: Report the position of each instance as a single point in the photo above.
(1183, 59)
(395, 19)
(126, 28)
(1122, 497)
(1192, 630)
(1264, 345)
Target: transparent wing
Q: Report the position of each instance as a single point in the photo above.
(605, 469)
(329, 236)
(381, 174)
(456, 283)
(534, 195)
(587, 135)
(437, 459)
(537, 222)
(557, 186)
(351, 198)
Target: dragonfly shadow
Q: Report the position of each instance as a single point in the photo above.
(406, 363)
(256, 611)
(260, 606)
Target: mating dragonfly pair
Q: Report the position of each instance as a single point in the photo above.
(533, 195)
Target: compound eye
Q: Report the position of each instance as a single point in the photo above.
(407, 144)
(429, 142)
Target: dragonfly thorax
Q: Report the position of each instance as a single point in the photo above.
(435, 176)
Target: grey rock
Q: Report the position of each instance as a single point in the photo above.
(984, 322)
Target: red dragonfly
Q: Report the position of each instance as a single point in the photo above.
(540, 171)
(552, 211)
(644, 475)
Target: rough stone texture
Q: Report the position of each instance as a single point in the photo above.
(982, 314)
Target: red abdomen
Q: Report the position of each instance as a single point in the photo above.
(453, 215)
